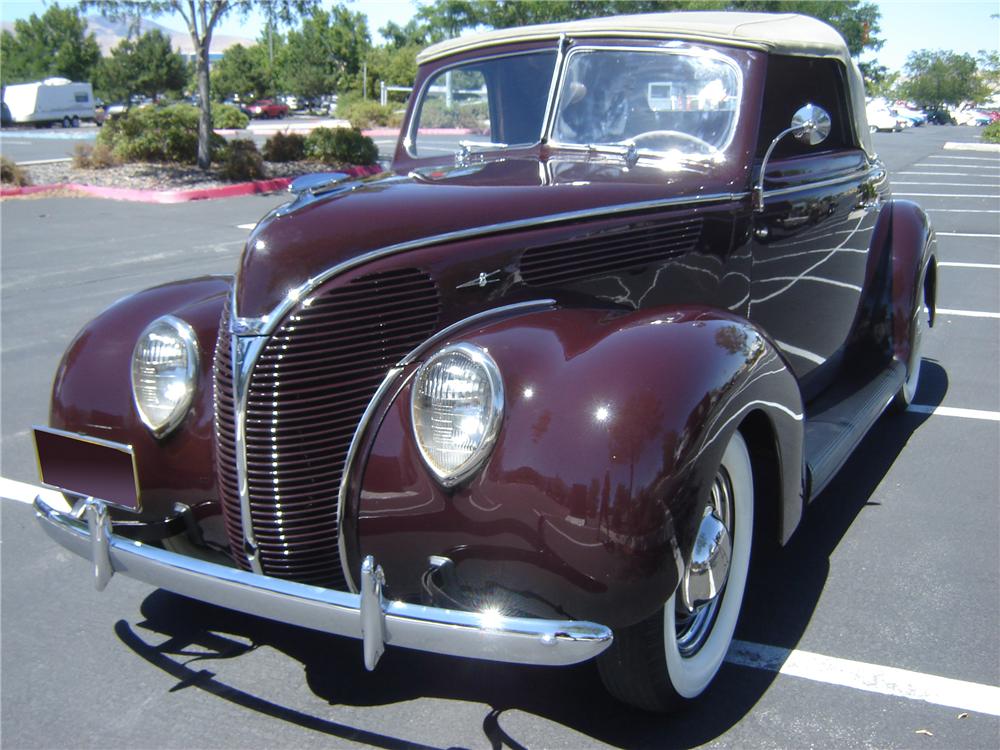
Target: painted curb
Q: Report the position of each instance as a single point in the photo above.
(993, 148)
(173, 196)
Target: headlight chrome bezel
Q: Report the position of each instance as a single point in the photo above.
(481, 359)
(186, 335)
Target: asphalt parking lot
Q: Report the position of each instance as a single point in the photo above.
(877, 626)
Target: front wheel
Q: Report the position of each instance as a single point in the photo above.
(663, 662)
(908, 391)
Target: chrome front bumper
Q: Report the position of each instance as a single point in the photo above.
(368, 616)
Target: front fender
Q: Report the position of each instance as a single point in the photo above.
(614, 427)
(92, 391)
(913, 246)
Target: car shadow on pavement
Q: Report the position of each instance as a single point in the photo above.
(192, 641)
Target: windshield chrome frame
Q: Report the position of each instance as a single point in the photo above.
(619, 148)
(411, 131)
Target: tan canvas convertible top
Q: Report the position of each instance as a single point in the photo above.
(779, 33)
(783, 33)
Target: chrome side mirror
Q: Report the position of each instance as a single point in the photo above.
(810, 125)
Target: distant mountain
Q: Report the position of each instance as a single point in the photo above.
(110, 33)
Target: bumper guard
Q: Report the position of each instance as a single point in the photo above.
(368, 616)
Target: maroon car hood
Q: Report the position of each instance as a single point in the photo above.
(290, 247)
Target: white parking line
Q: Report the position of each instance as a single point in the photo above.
(964, 234)
(955, 166)
(963, 210)
(969, 265)
(23, 492)
(947, 195)
(872, 678)
(245, 226)
(952, 184)
(938, 174)
(954, 411)
(965, 158)
(968, 313)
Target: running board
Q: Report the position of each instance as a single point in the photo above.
(838, 422)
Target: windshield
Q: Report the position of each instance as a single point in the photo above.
(662, 101)
(499, 100)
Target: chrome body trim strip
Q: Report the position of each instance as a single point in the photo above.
(266, 324)
(367, 617)
(550, 109)
(345, 478)
(442, 336)
(245, 350)
(859, 175)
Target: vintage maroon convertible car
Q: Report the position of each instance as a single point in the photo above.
(531, 395)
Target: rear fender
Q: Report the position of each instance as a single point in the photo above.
(614, 427)
(92, 392)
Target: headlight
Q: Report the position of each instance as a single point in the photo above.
(164, 369)
(457, 406)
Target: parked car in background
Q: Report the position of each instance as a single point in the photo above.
(940, 117)
(268, 109)
(882, 118)
(915, 117)
(535, 399)
(970, 116)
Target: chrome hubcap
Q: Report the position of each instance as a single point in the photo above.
(705, 576)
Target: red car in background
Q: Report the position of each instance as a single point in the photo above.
(267, 108)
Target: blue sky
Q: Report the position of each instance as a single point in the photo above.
(907, 25)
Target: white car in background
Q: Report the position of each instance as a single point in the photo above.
(881, 117)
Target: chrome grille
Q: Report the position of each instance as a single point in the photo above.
(308, 391)
(613, 251)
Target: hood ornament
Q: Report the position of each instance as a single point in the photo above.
(484, 278)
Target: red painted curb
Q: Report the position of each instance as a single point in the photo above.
(175, 196)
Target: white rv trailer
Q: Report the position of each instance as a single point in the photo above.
(52, 101)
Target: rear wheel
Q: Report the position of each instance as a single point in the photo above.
(66, 122)
(75, 122)
(663, 662)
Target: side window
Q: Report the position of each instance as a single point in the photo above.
(793, 82)
(498, 100)
(456, 99)
(82, 97)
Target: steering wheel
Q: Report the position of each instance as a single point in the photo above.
(656, 135)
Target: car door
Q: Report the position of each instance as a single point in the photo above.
(811, 241)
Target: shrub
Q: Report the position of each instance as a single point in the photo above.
(364, 113)
(285, 147)
(98, 156)
(241, 161)
(159, 134)
(991, 133)
(228, 117)
(341, 146)
(435, 114)
(11, 173)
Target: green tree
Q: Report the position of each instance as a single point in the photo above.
(938, 77)
(242, 72)
(147, 65)
(879, 81)
(201, 17)
(856, 20)
(57, 44)
(326, 54)
(989, 69)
